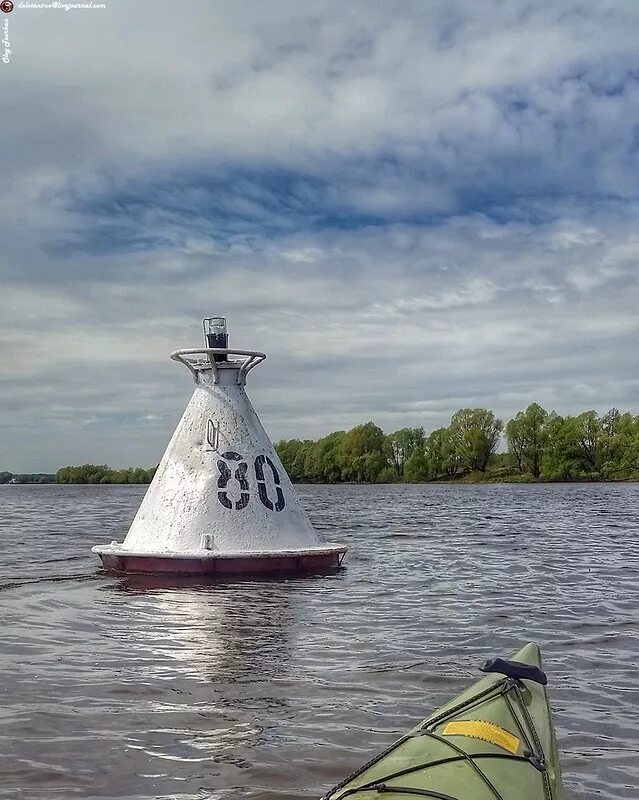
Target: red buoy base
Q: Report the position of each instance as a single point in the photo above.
(291, 561)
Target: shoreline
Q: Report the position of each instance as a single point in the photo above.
(461, 482)
(456, 482)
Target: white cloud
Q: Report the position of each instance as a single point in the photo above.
(411, 208)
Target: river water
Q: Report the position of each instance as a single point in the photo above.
(138, 688)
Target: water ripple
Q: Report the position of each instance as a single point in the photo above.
(145, 688)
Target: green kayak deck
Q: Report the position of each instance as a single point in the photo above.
(494, 741)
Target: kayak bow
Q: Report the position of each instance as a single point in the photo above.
(494, 741)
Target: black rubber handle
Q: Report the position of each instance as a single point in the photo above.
(516, 670)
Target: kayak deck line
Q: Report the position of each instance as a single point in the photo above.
(510, 691)
(503, 688)
(382, 789)
(492, 691)
(438, 763)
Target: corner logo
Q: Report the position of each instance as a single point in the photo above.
(6, 6)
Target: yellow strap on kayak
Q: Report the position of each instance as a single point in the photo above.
(488, 731)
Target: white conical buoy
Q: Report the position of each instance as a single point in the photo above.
(220, 501)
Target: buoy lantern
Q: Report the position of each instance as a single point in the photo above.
(221, 501)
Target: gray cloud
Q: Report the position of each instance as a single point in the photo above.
(410, 209)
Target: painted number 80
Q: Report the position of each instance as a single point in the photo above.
(239, 473)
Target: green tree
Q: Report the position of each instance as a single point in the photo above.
(292, 453)
(475, 433)
(361, 453)
(527, 438)
(516, 438)
(416, 469)
(557, 462)
(586, 430)
(388, 475)
(101, 473)
(322, 462)
(619, 437)
(300, 460)
(137, 475)
(401, 444)
(575, 447)
(441, 454)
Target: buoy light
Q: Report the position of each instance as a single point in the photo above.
(216, 335)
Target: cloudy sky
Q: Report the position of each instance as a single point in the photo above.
(411, 206)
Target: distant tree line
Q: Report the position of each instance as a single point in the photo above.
(101, 473)
(541, 446)
(30, 477)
